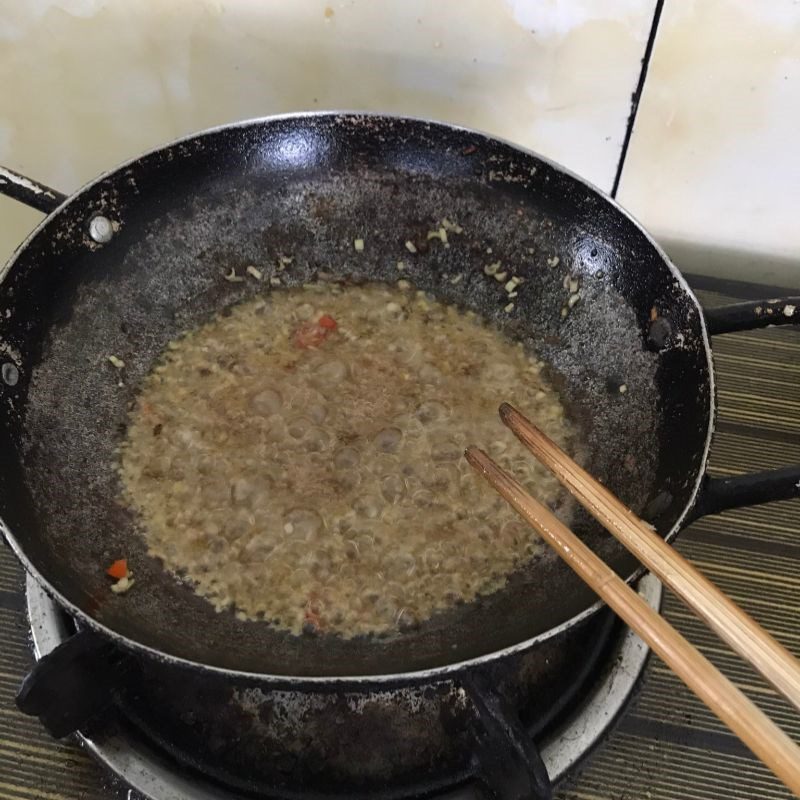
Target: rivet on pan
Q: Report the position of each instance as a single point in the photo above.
(101, 229)
(10, 373)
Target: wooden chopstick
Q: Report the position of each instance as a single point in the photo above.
(768, 742)
(730, 622)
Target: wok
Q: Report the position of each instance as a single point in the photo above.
(137, 256)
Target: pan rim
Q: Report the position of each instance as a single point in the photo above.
(444, 671)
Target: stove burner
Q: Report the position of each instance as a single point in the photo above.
(146, 769)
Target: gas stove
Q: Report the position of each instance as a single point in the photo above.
(148, 772)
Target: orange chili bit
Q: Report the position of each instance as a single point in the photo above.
(312, 613)
(119, 569)
(313, 334)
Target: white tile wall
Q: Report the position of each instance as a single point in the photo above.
(88, 83)
(713, 167)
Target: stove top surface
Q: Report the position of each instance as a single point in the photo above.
(667, 746)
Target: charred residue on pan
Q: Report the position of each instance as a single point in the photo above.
(202, 210)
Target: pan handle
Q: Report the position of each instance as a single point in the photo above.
(721, 494)
(753, 314)
(30, 192)
(74, 683)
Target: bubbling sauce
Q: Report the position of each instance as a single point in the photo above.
(300, 458)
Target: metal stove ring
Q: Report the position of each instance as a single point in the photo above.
(151, 774)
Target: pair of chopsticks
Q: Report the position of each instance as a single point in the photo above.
(768, 742)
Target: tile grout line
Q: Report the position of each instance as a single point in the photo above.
(637, 94)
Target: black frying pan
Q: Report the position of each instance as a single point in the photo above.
(81, 289)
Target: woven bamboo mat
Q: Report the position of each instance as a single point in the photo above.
(668, 746)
